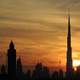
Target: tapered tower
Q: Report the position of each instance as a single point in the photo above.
(11, 62)
(69, 51)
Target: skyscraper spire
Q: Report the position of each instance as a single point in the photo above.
(69, 32)
(69, 51)
(11, 46)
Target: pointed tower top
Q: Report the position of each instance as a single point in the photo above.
(11, 46)
(69, 25)
(69, 31)
(69, 16)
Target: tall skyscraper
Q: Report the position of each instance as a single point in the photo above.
(69, 51)
(11, 62)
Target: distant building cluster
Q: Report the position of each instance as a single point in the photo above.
(40, 72)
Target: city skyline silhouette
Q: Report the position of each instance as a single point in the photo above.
(39, 40)
(35, 26)
(40, 71)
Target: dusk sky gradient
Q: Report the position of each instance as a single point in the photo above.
(38, 29)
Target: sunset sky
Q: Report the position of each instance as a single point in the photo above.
(38, 29)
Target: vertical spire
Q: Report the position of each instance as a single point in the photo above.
(69, 32)
(69, 50)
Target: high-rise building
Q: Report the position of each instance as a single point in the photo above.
(69, 67)
(19, 71)
(11, 62)
(19, 66)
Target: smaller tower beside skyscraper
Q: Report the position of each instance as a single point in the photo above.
(19, 71)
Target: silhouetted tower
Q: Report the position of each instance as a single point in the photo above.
(19, 70)
(11, 62)
(3, 70)
(19, 66)
(69, 51)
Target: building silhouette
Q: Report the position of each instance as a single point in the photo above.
(69, 67)
(3, 70)
(19, 66)
(11, 62)
(19, 70)
(40, 72)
